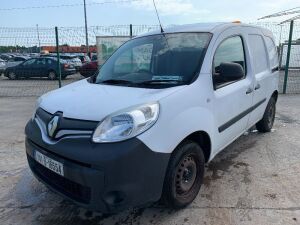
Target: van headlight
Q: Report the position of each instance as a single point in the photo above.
(126, 124)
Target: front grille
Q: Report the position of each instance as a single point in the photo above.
(66, 126)
(67, 187)
(67, 123)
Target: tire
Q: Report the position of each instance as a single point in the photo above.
(184, 175)
(51, 75)
(266, 123)
(12, 75)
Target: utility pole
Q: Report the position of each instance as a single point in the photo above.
(86, 30)
(38, 36)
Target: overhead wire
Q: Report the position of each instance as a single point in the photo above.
(69, 5)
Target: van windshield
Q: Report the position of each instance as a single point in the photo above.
(156, 61)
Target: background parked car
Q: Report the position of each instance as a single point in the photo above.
(2, 66)
(40, 67)
(5, 57)
(94, 57)
(89, 69)
(84, 58)
(72, 59)
(15, 61)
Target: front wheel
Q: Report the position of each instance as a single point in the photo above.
(12, 75)
(266, 123)
(184, 175)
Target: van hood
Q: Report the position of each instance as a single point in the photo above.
(87, 101)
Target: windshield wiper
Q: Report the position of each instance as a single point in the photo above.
(163, 81)
(115, 81)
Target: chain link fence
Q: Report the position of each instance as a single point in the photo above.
(281, 34)
(103, 40)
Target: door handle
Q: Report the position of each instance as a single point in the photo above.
(249, 91)
(257, 86)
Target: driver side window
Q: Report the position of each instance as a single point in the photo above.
(230, 51)
(29, 62)
(137, 59)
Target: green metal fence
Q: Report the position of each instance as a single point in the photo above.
(72, 39)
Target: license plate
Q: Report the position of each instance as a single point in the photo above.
(49, 163)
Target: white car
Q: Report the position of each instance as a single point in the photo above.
(162, 106)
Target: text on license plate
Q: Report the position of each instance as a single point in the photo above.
(49, 163)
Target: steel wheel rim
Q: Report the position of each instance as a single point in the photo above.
(186, 173)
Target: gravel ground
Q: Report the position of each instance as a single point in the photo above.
(256, 180)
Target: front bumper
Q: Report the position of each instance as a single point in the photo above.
(106, 177)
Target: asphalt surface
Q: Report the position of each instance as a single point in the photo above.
(256, 180)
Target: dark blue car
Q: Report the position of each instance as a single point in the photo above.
(40, 67)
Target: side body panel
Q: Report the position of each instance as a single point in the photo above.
(265, 75)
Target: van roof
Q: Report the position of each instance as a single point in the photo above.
(206, 27)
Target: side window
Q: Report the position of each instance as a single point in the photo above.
(29, 62)
(19, 59)
(259, 54)
(133, 61)
(41, 62)
(49, 61)
(231, 51)
(273, 56)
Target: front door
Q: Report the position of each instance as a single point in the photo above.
(25, 69)
(232, 98)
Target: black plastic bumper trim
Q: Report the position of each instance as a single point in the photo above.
(240, 116)
(128, 170)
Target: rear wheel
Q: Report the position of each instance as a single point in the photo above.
(51, 75)
(12, 75)
(184, 175)
(266, 123)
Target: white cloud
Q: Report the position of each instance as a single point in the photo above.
(190, 11)
(170, 7)
(278, 5)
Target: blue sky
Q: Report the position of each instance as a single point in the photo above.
(137, 12)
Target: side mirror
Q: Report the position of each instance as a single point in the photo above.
(231, 71)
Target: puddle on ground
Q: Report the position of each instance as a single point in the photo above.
(227, 159)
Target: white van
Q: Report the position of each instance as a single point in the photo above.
(162, 106)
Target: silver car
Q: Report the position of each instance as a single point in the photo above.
(15, 61)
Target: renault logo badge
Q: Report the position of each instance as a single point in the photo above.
(52, 126)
